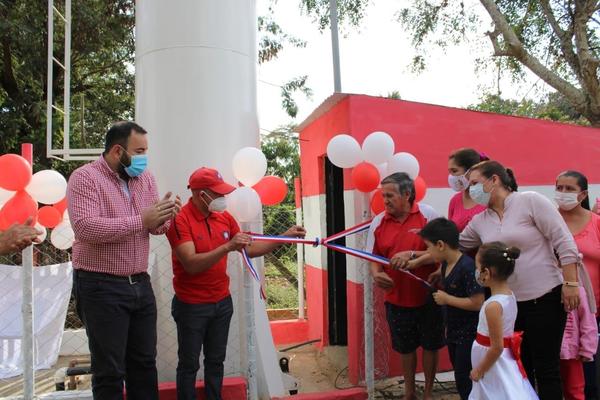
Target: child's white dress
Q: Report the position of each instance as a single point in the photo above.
(504, 380)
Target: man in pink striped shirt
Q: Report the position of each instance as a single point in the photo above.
(114, 205)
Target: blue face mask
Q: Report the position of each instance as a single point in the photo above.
(479, 195)
(139, 162)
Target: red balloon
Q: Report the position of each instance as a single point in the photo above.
(61, 206)
(3, 224)
(49, 216)
(20, 207)
(271, 190)
(377, 205)
(420, 189)
(15, 172)
(365, 177)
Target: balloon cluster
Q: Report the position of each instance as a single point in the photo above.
(249, 167)
(20, 193)
(372, 162)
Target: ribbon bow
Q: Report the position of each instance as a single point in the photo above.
(515, 348)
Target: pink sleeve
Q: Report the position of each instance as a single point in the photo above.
(588, 328)
(451, 208)
(85, 213)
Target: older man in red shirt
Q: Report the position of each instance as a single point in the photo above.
(114, 206)
(201, 237)
(413, 318)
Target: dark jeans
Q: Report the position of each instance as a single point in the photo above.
(590, 373)
(460, 356)
(120, 321)
(542, 321)
(201, 325)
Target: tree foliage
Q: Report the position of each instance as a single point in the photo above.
(283, 158)
(557, 40)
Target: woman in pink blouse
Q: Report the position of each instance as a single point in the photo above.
(545, 287)
(462, 208)
(572, 198)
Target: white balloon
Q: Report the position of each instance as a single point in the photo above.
(378, 148)
(44, 233)
(404, 162)
(249, 165)
(62, 236)
(47, 187)
(382, 168)
(344, 151)
(244, 204)
(5, 195)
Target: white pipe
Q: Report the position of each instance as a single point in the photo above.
(250, 336)
(67, 79)
(49, 77)
(27, 350)
(300, 261)
(368, 310)
(335, 46)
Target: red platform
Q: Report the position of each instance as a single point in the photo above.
(234, 388)
(348, 394)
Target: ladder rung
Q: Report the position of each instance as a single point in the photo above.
(58, 109)
(58, 62)
(59, 13)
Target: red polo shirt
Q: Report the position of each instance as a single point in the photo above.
(207, 233)
(393, 236)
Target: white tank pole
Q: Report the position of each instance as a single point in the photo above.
(196, 95)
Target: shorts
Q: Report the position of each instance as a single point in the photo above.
(411, 327)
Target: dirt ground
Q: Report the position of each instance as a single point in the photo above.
(317, 372)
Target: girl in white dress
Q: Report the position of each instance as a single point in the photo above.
(497, 370)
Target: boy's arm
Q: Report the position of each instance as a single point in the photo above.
(472, 303)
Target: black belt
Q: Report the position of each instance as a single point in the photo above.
(100, 276)
(554, 292)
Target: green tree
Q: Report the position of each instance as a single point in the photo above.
(283, 158)
(102, 51)
(557, 40)
(553, 107)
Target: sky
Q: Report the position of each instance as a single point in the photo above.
(374, 60)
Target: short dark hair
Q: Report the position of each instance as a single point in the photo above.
(499, 257)
(490, 168)
(119, 134)
(441, 229)
(404, 183)
(467, 157)
(582, 182)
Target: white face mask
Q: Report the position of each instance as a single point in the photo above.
(566, 201)
(479, 195)
(216, 205)
(457, 183)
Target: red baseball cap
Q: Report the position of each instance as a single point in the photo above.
(208, 178)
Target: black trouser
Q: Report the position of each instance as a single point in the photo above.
(201, 325)
(543, 322)
(120, 320)
(590, 373)
(460, 356)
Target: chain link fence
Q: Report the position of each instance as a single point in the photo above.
(281, 266)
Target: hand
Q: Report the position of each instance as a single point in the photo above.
(18, 236)
(400, 260)
(570, 297)
(435, 277)
(295, 231)
(238, 242)
(178, 205)
(584, 359)
(440, 297)
(157, 214)
(383, 280)
(476, 374)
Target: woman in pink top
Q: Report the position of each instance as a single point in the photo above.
(462, 208)
(572, 198)
(545, 286)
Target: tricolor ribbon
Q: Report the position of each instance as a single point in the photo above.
(350, 231)
(284, 239)
(253, 272)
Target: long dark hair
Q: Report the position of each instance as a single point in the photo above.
(582, 182)
(467, 157)
(491, 168)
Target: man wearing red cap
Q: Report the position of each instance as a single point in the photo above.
(201, 237)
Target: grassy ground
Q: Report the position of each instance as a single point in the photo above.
(280, 292)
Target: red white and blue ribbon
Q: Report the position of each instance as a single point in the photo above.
(284, 239)
(350, 231)
(253, 272)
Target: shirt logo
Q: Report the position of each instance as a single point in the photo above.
(226, 235)
(414, 230)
